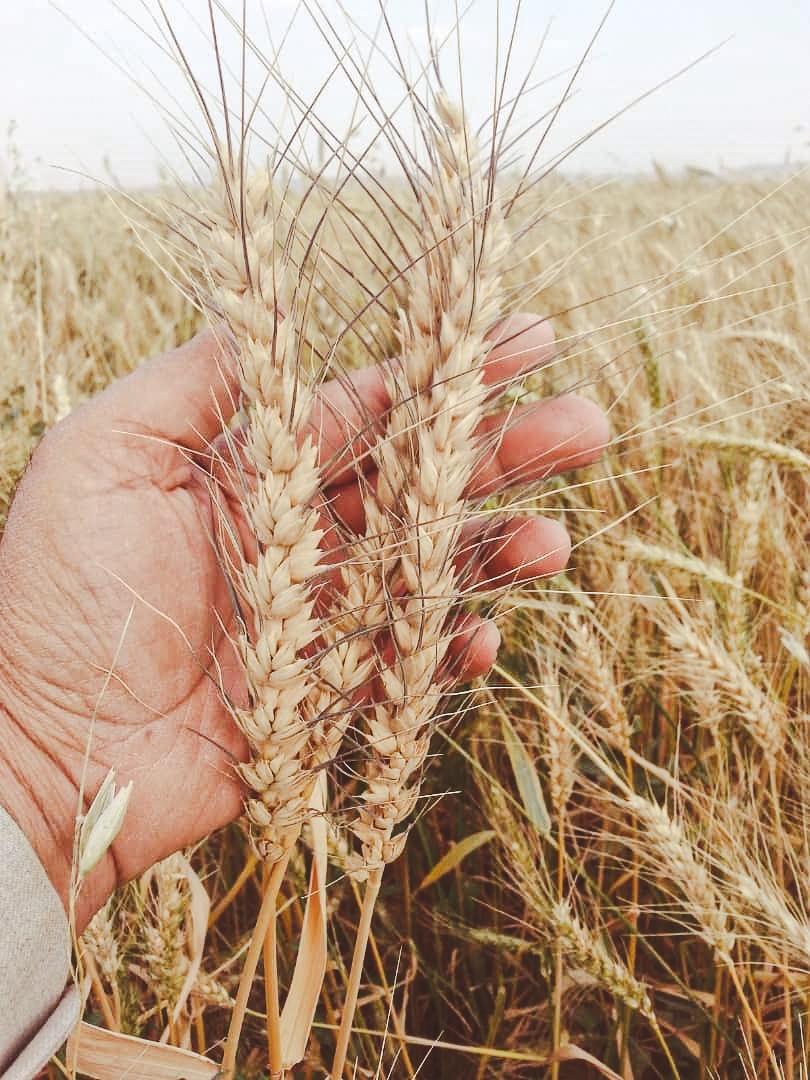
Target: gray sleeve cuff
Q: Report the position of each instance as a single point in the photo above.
(39, 1010)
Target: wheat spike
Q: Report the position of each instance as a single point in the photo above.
(425, 463)
(590, 952)
(251, 281)
(675, 855)
(244, 244)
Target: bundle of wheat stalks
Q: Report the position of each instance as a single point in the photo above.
(310, 647)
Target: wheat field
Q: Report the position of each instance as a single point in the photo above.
(608, 874)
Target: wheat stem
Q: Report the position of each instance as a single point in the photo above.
(370, 895)
(272, 996)
(752, 1017)
(245, 875)
(396, 1020)
(113, 1023)
(267, 915)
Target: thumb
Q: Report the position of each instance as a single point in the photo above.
(183, 396)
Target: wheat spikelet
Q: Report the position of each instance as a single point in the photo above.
(553, 917)
(801, 606)
(174, 917)
(675, 857)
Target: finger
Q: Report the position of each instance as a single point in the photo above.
(510, 552)
(473, 650)
(348, 412)
(538, 441)
(522, 343)
(182, 397)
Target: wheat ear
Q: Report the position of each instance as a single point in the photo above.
(414, 519)
(249, 271)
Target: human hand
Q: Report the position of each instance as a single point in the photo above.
(116, 620)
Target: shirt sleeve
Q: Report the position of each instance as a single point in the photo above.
(40, 1008)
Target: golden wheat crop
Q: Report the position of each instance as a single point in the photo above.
(620, 888)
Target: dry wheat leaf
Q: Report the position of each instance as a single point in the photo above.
(576, 1053)
(310, 964)
(527, 780)
(455, 855)
(109, 1055)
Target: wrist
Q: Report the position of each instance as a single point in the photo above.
(43, 799)
(41, 811)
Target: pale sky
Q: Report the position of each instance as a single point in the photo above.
(74, 111)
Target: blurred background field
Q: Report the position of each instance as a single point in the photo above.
(617, 872)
